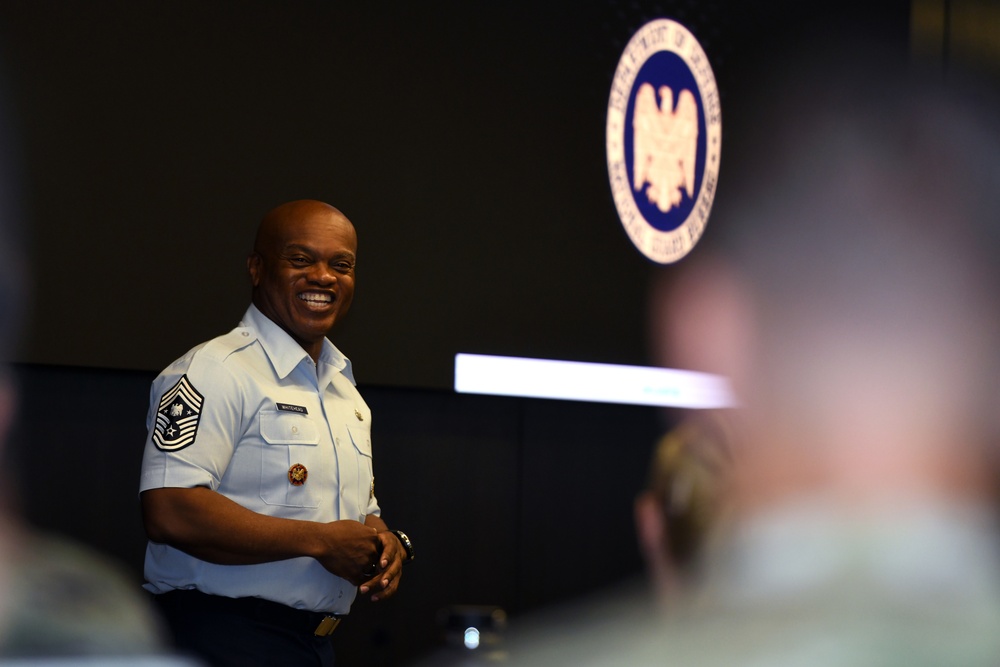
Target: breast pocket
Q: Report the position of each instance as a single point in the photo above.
(290, 451)
(362, 440)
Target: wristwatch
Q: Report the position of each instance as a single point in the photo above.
(407, 544)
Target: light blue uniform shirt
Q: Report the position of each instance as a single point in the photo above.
(249, 415)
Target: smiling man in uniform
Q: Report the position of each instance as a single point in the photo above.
(257, 485)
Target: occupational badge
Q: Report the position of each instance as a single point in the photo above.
(177, 416)
(297, 475)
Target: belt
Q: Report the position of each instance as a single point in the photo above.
(267, 611)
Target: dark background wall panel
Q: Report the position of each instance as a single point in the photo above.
(72, 463)
(464, 139)
(583, 465)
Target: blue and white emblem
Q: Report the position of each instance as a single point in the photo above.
(177, 416)
(664, 136)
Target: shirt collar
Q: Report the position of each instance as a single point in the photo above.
(285, 354)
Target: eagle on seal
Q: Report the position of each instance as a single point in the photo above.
(665, 142)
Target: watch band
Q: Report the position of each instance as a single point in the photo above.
(407, 544)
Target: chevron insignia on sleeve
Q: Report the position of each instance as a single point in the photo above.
(177, 416)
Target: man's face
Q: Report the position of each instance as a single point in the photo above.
(303, 274)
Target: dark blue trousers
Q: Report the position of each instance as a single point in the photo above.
(244, 632)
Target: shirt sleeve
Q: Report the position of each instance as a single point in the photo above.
(193, 424)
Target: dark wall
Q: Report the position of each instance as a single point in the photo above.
(511, 502)
(466, 140)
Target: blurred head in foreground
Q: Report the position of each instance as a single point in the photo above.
(851, 297)
(849, 293)
(684, 502)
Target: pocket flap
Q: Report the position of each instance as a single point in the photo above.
(287, 428)
(362, 439)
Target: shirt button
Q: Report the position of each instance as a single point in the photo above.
(295, 429)
(246, 333)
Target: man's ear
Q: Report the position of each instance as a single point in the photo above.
(651, 532)
(707, 321)
(650, 527)
(253, 268)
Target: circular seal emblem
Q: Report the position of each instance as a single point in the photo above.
(297, 475)
(664, 134)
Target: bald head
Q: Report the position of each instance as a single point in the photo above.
(302, 269)
(273, 227)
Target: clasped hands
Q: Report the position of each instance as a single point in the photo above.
(368, 558)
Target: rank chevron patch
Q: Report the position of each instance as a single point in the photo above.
(177, 416)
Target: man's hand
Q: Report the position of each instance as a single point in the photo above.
(385, 581)
(351, 550)
(390, 570)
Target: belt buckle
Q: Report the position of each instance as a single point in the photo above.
(327, 626)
